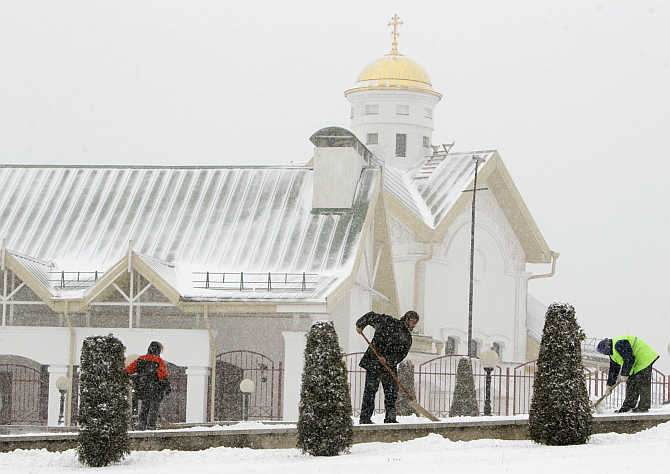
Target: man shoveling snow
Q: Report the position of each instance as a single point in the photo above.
(631, 361)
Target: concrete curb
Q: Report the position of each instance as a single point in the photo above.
(280, 438)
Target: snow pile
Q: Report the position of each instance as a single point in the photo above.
(424, 455)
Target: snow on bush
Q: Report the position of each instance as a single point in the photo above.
(464, 401)
(103, 408)
(325, 427)
(560, 411)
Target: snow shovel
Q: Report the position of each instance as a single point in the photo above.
(605, 395)
(418, 408)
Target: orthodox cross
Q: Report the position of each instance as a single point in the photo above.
(395, 22)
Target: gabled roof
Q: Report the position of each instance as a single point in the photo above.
(433, 193)
(181, 221)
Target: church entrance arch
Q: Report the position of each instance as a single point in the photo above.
(234, 366)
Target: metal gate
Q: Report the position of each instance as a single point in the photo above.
(437, 381)
(234, 366)
(173, 407)
(24, 394)
(356, 377)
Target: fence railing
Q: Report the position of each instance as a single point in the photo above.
(74, 280)
(243, 281)
(511, 386)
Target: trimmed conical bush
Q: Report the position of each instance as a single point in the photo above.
(406, 377)
(464, 401)
(560, 411)
(104, 409)
(325, 427)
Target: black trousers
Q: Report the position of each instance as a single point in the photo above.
(372, 379)
(148, 414)
(638, 387)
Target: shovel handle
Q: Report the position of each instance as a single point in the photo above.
(386, 366)
(606, 394)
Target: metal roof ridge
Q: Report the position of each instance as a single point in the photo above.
(419, 201)
(472, 152)
(144, 167)
(31, 258)
(150, 259)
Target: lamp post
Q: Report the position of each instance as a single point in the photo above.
(247, 387)
(489, 360)
(61, 385)
(478, 160)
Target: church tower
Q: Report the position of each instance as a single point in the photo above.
(392, 107)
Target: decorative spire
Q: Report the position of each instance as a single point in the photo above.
(395, 22)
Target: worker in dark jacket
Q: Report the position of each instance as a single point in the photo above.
(392, 340)
(631, 361)
(151, 384)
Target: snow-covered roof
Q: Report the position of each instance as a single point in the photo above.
(432, 190)
(182, 221)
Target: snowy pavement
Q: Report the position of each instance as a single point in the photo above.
(615, 453)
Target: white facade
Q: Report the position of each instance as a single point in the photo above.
(442, 281)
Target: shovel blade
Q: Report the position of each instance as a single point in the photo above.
(419, 409)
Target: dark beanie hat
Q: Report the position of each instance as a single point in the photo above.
(605, 346)
(410, 315)
(155, 348)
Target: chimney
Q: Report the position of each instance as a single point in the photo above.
(339, 158)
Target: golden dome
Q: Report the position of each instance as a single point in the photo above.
(394, 71)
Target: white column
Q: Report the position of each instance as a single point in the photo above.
(294, 362)
(196, 394)
(55, 372)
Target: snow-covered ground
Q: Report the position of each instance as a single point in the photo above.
(614, 453)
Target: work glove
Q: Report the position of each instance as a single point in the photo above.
(622, 379)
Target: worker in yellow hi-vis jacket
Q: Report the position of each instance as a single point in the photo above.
(631, 361)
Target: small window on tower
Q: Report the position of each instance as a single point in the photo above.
(372, 139)
(402, 109)
(371, 109)
(428, 112)
(426, 142)
(401, 144)
(351, 115)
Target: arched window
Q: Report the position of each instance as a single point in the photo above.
(497, 347)
(450, 346)
(474, 347)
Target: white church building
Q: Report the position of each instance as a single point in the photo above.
(228, 266)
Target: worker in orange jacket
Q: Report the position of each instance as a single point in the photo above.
(151, 384)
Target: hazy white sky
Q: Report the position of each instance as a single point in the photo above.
(574, 95)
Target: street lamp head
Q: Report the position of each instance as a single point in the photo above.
(489, 359)
(247, 386)
(62, 383)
